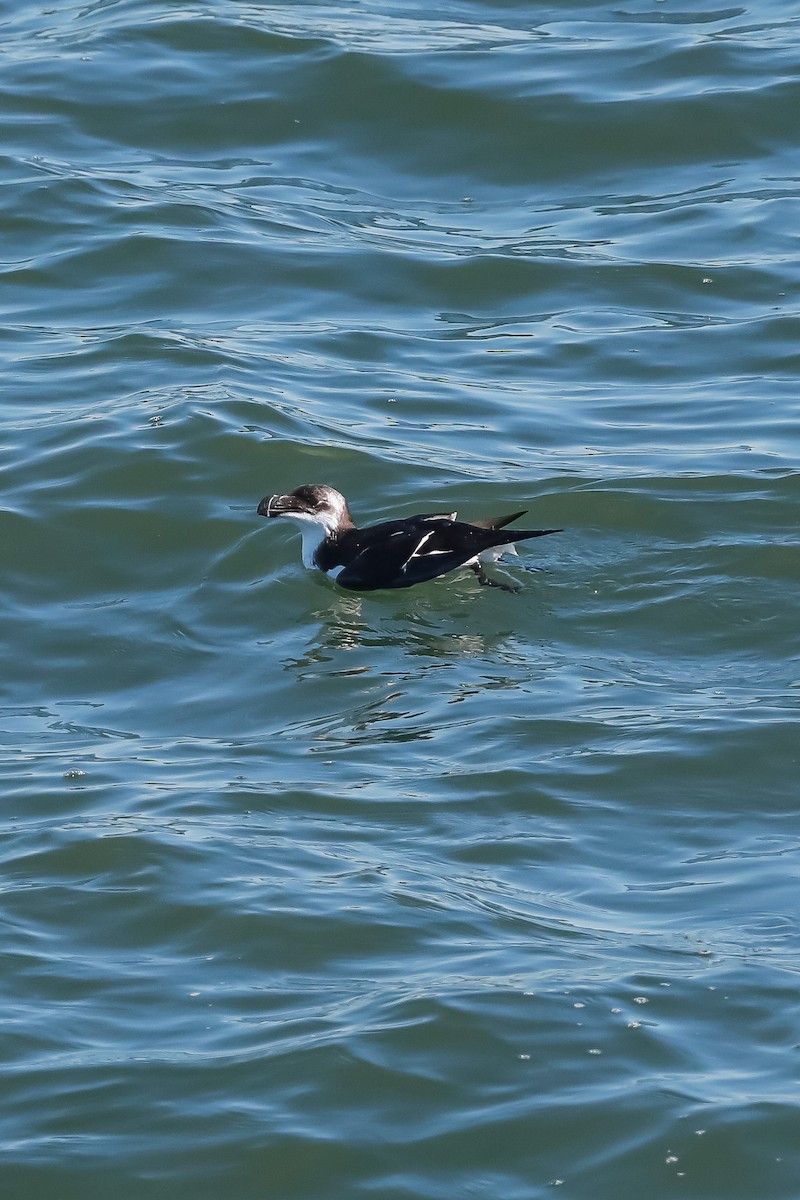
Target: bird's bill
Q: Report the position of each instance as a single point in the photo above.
(280, 506)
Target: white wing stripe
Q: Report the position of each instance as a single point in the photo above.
(417, 551)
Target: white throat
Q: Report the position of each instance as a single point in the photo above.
(314, 530)
(314, 535)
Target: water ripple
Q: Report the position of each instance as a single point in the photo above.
(434, 893)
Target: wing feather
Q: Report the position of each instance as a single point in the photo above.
(400, 554)
(406, 557)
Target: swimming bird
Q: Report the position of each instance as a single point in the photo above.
(393, 554)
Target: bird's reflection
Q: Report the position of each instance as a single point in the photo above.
(352, 624)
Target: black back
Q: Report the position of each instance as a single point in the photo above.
(402, 553)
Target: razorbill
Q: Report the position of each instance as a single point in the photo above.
(393, 554)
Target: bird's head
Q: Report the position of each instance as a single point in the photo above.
(311, 502)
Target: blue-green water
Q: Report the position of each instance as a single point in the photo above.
(424, 895)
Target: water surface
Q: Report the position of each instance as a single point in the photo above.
(428, 894)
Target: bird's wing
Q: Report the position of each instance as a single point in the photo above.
(402, 553)
(406, 556)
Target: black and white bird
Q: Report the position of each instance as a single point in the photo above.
(393, 554)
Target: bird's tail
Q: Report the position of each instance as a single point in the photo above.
(498, 522)
(515, 534)
(503, 542)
